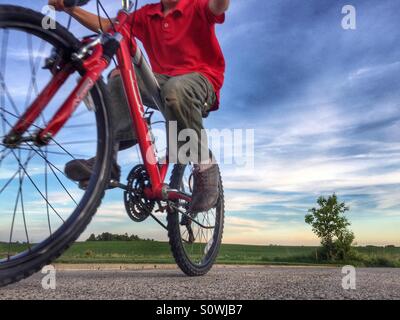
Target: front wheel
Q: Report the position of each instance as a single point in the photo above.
(42, 212)
(195, 246)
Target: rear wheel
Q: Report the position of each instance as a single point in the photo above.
(41, 211)
(194, 244)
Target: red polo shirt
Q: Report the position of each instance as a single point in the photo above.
(182, 42)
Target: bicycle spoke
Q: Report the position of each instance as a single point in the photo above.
(209, 223)
(33, 87)
(63, 154)
(7, 93)
(200, 242)
(183, 233)
(49, 163)
(58, 179)
(35, 64)
(15, 174)
(58, 144)
(12, 226)
(84, 125)
(49, 152)
(33, 76)
(3, 64)
(196, 237)
(78, 114)
(34, 68)
(55, 167)
(36, 187)
(77, 142)
(53, 152)
(65, 150)
(16, 116)
(46, 192)
(19, 194)
(4, 154)
(22, 206)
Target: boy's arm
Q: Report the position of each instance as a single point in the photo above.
(218, 7)
(89, 20)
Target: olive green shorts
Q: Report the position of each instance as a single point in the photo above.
(185, 101)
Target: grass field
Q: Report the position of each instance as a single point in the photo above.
(159, 252)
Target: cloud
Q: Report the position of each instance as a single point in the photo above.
(323, 102)
(374, 71)
(247, 224)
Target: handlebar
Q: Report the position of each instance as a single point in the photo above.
(126, 4)
(75, 3)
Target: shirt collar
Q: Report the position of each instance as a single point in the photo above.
(156, 9)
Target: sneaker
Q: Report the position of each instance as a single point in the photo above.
(80, 170)
(205, 188)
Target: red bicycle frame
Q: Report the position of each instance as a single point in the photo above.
(92, 67)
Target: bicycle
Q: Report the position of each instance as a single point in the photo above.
(33, 141)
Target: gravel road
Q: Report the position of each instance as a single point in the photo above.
(223, 282)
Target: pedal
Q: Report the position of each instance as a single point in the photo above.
(116, 184)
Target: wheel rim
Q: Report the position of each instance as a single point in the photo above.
(37, 200)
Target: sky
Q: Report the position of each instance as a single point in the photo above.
(324, 106)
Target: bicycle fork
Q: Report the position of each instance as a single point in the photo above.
(93, 67)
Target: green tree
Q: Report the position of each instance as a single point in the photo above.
(92, 237)
(330, 225)
(107, 236)
(343, 243)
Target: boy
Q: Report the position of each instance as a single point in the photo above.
(179, 38)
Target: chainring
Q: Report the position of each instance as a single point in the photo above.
(137, 206)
